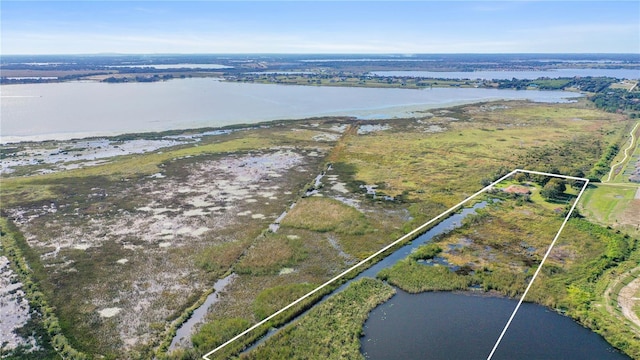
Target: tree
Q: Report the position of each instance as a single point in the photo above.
(520, 177)
(576, 183)
(553, 189)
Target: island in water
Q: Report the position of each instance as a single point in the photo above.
(216, 190)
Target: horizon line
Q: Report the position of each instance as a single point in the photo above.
(322, 53)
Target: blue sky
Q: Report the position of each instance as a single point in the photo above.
(69, 27)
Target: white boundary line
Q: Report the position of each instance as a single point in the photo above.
(403, 238)
(566, 219)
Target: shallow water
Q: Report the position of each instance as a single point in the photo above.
(80, 109)
(509, 74)
(183, 335)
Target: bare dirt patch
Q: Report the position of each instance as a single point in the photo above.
(630, 215)
(517, 189)
(626, 304)
(136, 245)
(14, 309)
(627, 301)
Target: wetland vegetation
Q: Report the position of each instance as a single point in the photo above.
(114, 254)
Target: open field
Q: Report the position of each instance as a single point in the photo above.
(613, 205)
(143, 236)
(331, 330)
(616, 201)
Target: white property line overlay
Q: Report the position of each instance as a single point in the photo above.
(566, 219)
(405, 237)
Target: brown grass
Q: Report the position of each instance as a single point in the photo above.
(323, 215)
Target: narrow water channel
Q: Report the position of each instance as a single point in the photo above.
(445, 325)
(446, 225)
(183, 335)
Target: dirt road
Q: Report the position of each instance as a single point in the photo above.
(625, 298)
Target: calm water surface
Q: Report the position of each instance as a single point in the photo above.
(441, 325)
(184, 332)
(507, 75)
(76, 109)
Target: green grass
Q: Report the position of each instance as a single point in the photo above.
(623, 170)
(604, 202)
(552, 83)
(273, 299)
(414, 277)
(330, 330)
(324, 215)
(503, 244)
(611, 205)
(218, 258)
(426, 172)
(270, 253)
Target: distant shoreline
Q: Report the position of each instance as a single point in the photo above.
(66, 110)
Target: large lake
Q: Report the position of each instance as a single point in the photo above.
(441, 325)
(508, 74)
(79, 109)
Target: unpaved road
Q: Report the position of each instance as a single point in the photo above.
(625, 299)
(626, 152)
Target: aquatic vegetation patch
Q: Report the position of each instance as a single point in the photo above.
(323, 215)
(331, 330)
(270, 253)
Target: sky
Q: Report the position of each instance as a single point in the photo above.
(399, 27)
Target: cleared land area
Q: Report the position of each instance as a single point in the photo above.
(627, 298)
(148, 234)
(615, 205)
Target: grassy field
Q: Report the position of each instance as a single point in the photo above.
(114, 236)
(613, 205)
(445, 158)
(625, 166)
(330, 215)
(329, 331)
